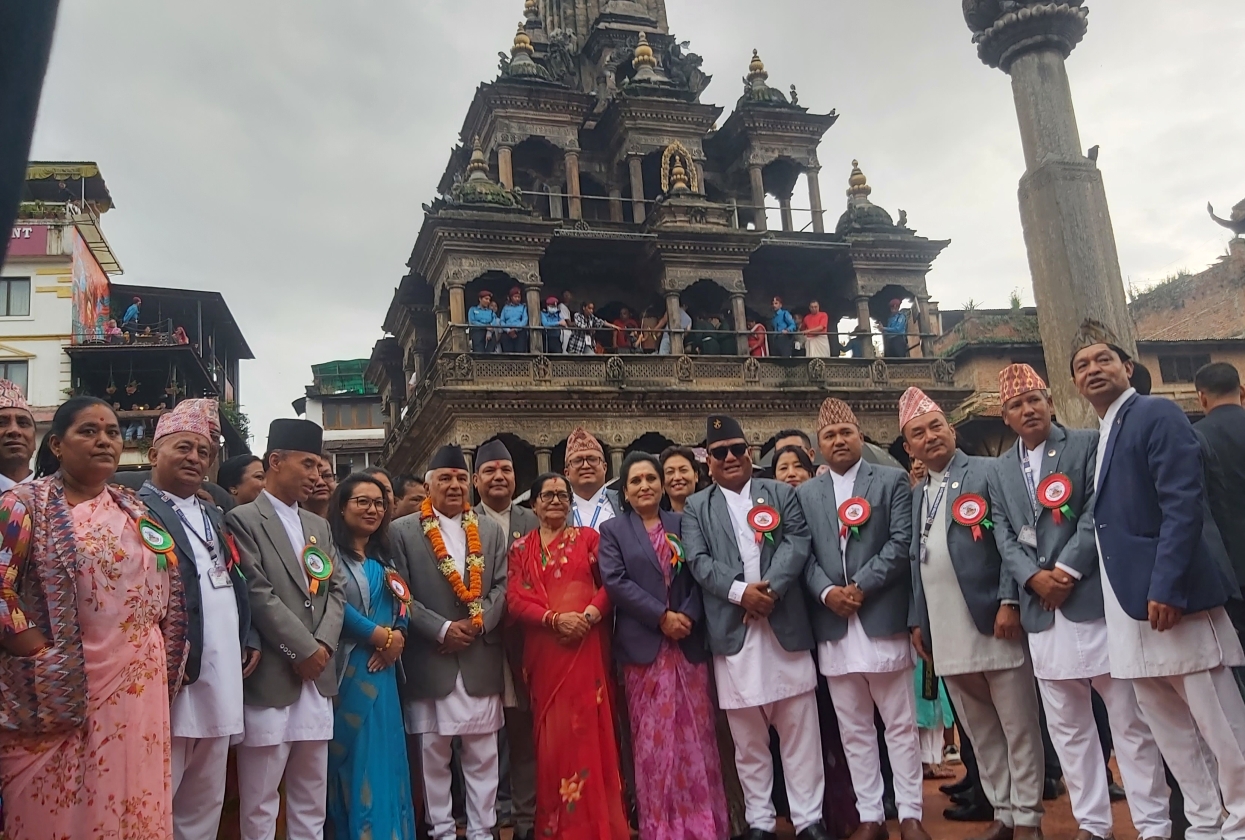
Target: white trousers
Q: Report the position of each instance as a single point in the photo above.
(198, 776)
(999, 713)
(479, 762)
(854, 697)
(799, 734)
(1070, 721)
(305, 767)
(1185, 710)
(933, 742)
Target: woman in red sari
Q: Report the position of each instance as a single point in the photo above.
(555, 591)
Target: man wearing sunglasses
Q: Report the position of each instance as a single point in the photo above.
(748, 546)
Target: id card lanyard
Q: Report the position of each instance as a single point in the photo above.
(1030, 483)
(209, 542)
(932, 512)
(596, 514)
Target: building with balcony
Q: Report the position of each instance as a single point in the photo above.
(349, 409)
(590, 170)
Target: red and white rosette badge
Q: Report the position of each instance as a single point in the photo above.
(764, 520)
(400, 591)
(1054, 493)
(852, 514)
(970, 511)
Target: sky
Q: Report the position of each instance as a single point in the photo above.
(279, 152)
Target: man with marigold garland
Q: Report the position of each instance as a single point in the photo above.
(455, 563)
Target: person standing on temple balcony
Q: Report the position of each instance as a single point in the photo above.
(895, 332)
(747, 545)
(480, 319)
(817, 331)
(665, 348)
(593, 503)
(967, 619)
(17, 437)
(584, 326)
(782, 337)
(1050, 552)
(1165, 574)
(552, 322)
(514, 324)
(860, 519)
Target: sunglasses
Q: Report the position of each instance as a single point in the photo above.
(719, 453)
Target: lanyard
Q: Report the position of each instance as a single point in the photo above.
(596, 514)
(1029, 481)
(933, 508)
(209, 542)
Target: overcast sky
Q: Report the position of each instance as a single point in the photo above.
(279, 152)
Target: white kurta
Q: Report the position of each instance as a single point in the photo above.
(593, 513)
(211, 707)
(458, 713)
(7, 483)
(856, 652)
(959, 647)
(763, 671)
(310, 717)
(1200, 642)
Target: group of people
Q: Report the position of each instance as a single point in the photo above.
(639, 644)
(578, 330)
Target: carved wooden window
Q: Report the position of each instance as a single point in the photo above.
(1182, 367)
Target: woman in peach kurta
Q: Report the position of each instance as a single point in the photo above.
(91, 757)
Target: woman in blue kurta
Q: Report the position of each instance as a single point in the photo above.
(369, 781)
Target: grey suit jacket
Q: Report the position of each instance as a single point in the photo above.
(978, 565)
(522, 523)
(877, 559)
(1072, 452)
(713, 556)
(292, 623)
(429, 674)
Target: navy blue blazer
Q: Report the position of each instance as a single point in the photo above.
(1159, 541)
(637, 589)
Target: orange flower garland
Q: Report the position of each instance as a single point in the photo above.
(469, 593)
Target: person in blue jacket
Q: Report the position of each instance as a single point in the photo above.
(514, 324)
(783, 329)
(479, 319)
(553, 322)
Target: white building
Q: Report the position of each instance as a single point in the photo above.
(348, 408)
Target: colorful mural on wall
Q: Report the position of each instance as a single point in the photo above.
(91, 293)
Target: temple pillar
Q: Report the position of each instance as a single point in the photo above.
(505, 167)
(572, 185)
(924, 326)
(544, 459)
(814, 200)
(758, 195)
(755, 452)
(616, 211)
(458, 319)
(700, 178)
(636, 167)
(672, 323)
(741, 323)
(555, 201)
(788, 220)
(863, 319)
(535, 335)
(1063, 205)
(442, 316)
(617, 454)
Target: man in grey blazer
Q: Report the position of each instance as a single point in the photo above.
(297, 604)
(495, 484)
(747, 546)
(966, 619)
(454, 658)
(860, 518)
(1042, 495)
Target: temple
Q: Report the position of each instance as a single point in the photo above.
(591, 169)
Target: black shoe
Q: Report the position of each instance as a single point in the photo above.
(963, 800)
(976, 812)
(952, 788)
(1053, 789)
(758, 834)
(813, 832)
(890, 808)
(1116, 792)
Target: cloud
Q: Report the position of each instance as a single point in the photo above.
(280, 152)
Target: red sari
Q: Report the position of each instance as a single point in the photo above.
(578, 785)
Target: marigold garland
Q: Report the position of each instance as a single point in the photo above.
(469, 593)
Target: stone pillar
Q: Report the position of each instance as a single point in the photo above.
(1063, 203)
(544, 459)
(443, 321)
(741, 323)
(636, 166)
(672, 323)
(572, 185)
(700, 178)
(924, 325)
(617, 453)
(935, 318)
(862, 318)
(755, 451)
(788, 221)
(505, 167)
(758, 195)
(555, 201)
(535, 335)
(458, 319)
(616, 211)
(814, 200)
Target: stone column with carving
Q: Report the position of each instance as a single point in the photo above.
(636, 167)
(784, 207)
(616, 207)
(758, 195)
(458, 318)
(617, 454)
(572, 185)
(672, 323)
(814, 200)
(505, 167)
(535, 334)
(1063, 203)
(925, 325)
(544, 459)
(739, 313)
(864, 319)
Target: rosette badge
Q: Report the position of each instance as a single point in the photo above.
(318, 565)
(159, 541)
(970, 511)
(678, 554)
(1054, 493)
(852, 514)
(764, 520)
(401, 592)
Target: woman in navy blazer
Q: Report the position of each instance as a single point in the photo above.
(659, 639)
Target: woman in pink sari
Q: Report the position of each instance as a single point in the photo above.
(94, 625)
(555, 591)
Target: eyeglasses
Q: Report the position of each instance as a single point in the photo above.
(587, 461)
(719, 453)
(551, 496)
(365, 503)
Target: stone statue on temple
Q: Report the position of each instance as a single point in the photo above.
(1235, 222)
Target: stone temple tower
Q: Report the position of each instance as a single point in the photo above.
(1063, 204)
